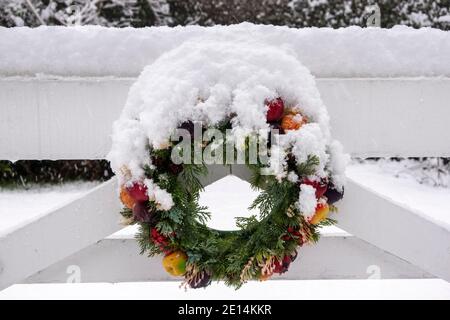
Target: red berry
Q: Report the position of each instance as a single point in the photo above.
(160, 240)
(138, 192)
(320, 187)
(286, 261)
(283, 266)
(275, 110)
(292, 232)
(278, 267)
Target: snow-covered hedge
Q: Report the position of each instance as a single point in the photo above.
(293, 13)
(347, 52)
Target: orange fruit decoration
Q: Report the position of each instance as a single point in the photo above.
(321, 214)
(126, 199)
(175, 263)
(292, 121)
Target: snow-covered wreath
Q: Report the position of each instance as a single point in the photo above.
(220, 99)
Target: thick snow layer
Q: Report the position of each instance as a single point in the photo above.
(280, 289)
(432, 202)
(18, 207)
(346, 52)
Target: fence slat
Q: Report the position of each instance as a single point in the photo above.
(59, 233)
(334, 257)
(72, 118)
(396, 229)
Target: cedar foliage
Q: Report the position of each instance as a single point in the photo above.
(232, 256)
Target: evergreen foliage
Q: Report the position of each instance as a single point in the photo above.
(232, 256)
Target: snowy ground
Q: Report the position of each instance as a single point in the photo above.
(18, 207)
(273, 290)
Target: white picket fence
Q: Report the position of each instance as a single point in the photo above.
(71, 118)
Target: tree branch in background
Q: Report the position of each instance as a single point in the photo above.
(33, 9)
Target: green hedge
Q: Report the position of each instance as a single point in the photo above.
(24, 173)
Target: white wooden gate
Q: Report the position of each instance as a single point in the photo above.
(71, 118)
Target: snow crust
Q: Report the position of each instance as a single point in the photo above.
(345, 52)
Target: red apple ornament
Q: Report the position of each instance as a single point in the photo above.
(138, 191)
(275, 110)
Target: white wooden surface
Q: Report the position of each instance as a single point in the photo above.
(334, 257)
(394, 228)
(59, 233)
(72, 118)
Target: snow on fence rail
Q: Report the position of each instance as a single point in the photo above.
(346, 52)
(367, 78)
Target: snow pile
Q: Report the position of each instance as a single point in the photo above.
(346, 52)
(307, 200)
(161, 197)
(210, 81)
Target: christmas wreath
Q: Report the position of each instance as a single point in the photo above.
(242, 93)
